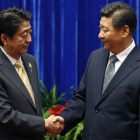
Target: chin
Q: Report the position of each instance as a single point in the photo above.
(106, 47)
(25, 51)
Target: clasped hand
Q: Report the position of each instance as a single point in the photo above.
(54, 125)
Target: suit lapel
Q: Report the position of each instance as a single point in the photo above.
(127, 67)
(100, 70)
(95, 73)
(32, 79)
(9, 71)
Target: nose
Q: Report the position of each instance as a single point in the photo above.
(101, 35)
(29, 38)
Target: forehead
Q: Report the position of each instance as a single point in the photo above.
(106, 22)
(25, 25)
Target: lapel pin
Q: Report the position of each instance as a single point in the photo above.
(30, 66)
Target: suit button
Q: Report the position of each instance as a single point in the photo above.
(96, 111)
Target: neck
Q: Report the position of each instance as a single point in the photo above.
(10, 53)
(126, 43)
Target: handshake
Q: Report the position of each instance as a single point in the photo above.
(54, 125)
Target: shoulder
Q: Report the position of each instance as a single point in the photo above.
(28, 57)
(99, 52)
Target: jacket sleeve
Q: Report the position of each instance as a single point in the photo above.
(75, 110)
(15, 121)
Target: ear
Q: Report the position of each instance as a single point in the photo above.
(4, 39)
(125, 31)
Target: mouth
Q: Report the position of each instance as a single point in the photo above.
(26, 46)
(104, 42)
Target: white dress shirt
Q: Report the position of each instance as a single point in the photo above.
(122, 56)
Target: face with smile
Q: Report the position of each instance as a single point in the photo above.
(18, 44)
(111, 37)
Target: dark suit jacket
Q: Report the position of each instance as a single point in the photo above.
(115, 114)
(19, 119)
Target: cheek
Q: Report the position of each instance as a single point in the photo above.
(22, 41)
(113, 40)
(110, 37)
(20, 45)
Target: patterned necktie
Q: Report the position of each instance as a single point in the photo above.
(23, 75)
(110, 71)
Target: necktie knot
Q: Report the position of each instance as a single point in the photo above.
(18, 64)
(113, 59)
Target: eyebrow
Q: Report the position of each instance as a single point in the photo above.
(26, 30)
(103, 26)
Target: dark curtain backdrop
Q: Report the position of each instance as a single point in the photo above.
(64, 34)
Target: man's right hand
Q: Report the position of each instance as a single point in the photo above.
(54, 126)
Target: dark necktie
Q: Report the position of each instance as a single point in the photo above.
(110, 71)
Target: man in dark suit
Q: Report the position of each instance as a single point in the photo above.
(20, 101)
(110, 109)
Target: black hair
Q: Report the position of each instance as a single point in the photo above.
(121, 14)
(10, 19)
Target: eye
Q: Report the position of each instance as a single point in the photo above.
(105, 31)
(24, 35)
(30, 32)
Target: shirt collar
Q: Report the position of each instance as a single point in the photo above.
(12, 60)
(122, 55)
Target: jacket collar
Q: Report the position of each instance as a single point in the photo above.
(128, 66)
